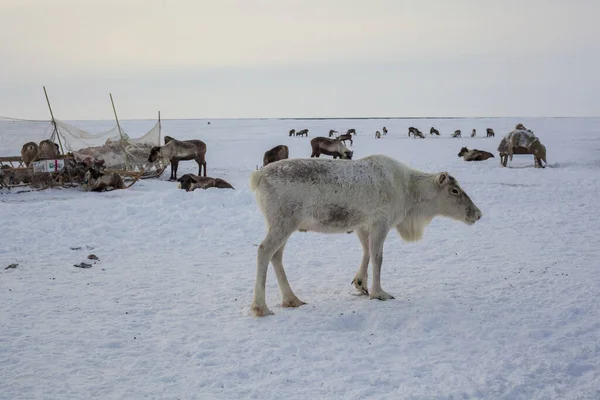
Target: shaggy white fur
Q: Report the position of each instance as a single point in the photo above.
(370, 196)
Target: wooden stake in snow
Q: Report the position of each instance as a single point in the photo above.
(54, 122)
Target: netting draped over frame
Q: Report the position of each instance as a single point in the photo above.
(14, 133)
(114, 146)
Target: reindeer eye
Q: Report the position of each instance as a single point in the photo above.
(455, 191)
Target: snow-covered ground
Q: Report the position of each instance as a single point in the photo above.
(505, 309)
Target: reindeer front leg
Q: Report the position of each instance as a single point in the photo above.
(360, 279)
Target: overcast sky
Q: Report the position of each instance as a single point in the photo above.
(299, 58)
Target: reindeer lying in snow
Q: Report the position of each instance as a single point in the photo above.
(330, 147)
(369, 196)
(180, 150)
(191, 182)
(99, 182)
(474, 154)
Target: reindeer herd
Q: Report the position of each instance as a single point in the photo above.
(520, 141)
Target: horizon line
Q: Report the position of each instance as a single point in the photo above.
(287, 118)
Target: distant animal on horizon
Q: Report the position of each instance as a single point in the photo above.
(377, 135)
(277, 153)
(384, 131)
(180, 150)
(473, 132)
(490, 132)
(433, 131)
(331, 132)
(522, 141)
(191, 182)
(415, 133)
(330, 147)
(456, 133)
(351, 132)
(303, 132)
(370, 196)
(292, 132)
(474, 154)
(344, 137)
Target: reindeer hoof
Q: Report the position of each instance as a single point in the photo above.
(257, 311)
(295, 302)
(360, 285)
(381, 296)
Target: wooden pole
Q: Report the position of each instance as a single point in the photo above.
(53, 121)
(116, 118)
(159, 128)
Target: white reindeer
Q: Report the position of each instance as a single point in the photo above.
(370, 196)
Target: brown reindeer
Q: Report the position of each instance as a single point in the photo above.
(191, 182)
(331, 132)
(490, 132)
(303, 132)
(29, 153)
(292, 132)
(46, 150)
(377, 135)
(351, 131)
(330, 147)
(433, 131)
(180, 150)
(415, 133)
(344, 137)
(522, 141)
(456, 133)
(100, 182)
(474, 154)
(473, 132)
(384, 131)
(277, 153)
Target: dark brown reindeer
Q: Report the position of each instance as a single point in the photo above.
(180, 150)
(456, 133)
(473, 132)
(191, 182)
(433, 131)
(474, 154)
(351, 132)
(344, 137)
(330, 147)
(415, 132)
(292, 132)
(277, 153)
(490, 132)
(384, 131)
(303, 132)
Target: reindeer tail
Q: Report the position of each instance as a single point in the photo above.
(255, 179)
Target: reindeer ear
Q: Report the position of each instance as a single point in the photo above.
(441, 178)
